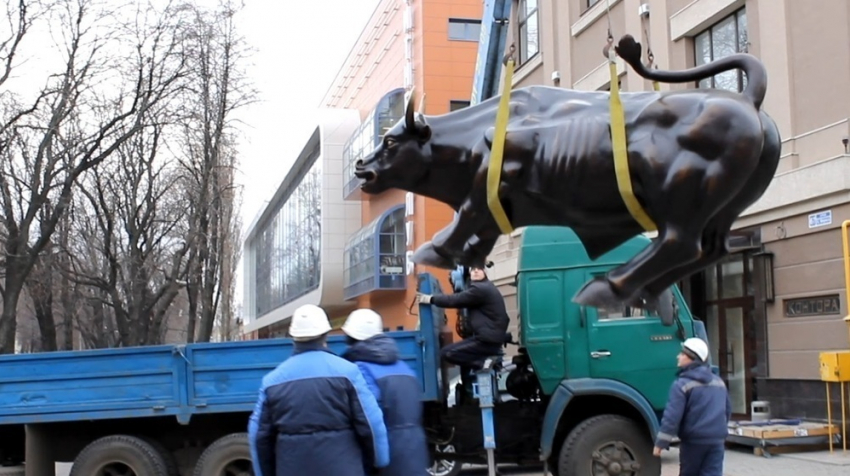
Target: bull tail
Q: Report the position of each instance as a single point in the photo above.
(630, 51)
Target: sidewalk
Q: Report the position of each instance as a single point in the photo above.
(740, 461)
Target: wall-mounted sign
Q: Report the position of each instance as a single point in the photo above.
(820, 219)
(812, 306)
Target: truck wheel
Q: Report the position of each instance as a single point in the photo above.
(119, 454)
(227, 456)
(442, 467)
(608, 445)
(167, 456)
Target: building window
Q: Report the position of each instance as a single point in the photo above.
(455, 105)
(724, 38)
(375, 256)
(529, 35)
(288, 255)
(388, 111)
(590, 3)
(464, 30)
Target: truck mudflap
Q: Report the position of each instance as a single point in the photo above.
(569, 389)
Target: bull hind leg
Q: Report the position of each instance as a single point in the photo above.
(625, 283)
(714, 239)
(687, 207)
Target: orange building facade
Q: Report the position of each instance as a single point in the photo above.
(418, 46)
(428, 47)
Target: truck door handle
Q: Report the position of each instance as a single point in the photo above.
(600, 353)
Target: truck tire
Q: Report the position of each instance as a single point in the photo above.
(228, 455)
(445, 467)
(608, 445)
(119, 454)
(167, 456)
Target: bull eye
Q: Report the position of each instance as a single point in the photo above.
(390, 142)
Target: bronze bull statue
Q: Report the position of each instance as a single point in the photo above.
(697, 158)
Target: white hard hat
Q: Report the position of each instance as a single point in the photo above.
(363, 324)
(698, 347)
(309, 322)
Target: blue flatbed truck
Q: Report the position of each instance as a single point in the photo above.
(188, 403)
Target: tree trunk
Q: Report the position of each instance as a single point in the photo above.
(8, 320)
(42, 299)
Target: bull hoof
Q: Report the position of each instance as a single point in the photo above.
(473, 258)
(428, 255)
(598, 293)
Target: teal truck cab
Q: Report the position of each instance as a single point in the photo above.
(586, 388)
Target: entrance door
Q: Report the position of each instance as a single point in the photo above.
(732, 350)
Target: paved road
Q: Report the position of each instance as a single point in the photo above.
(738, 462)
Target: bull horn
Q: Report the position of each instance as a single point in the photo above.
(422, 104)
(409, 122)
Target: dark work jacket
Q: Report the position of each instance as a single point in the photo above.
(698, 408)
(315, 415)
(487, 314)
(399, 395)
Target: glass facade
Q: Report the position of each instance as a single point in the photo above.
(375, 256)
(389, 110)
(288, 245)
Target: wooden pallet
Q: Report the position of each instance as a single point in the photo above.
(768, 451)
(770, 439)
(780, 431)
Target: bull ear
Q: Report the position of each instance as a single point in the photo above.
(409, 120)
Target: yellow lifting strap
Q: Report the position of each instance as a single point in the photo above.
(621, 156)
(494, 170)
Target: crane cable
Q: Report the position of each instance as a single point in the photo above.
(494, 168)
(618, 138)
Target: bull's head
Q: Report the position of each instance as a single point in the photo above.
(402, 158)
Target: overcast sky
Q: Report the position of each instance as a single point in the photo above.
(300, 47)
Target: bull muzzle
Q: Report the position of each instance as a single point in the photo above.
(361, 172)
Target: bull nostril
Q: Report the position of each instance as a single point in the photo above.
(359, 163)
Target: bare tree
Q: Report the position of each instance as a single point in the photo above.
(92, 105)
(137, 228)
(217, 89)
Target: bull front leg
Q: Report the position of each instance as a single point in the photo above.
(476, 251)
(448, 247)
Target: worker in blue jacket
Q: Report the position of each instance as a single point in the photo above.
(396, 388)
(698, 411)
(315, 414)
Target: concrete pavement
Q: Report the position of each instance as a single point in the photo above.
(739, 461)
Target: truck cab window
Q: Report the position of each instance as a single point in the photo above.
(626, 312)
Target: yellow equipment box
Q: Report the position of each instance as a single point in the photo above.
(835, 366)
